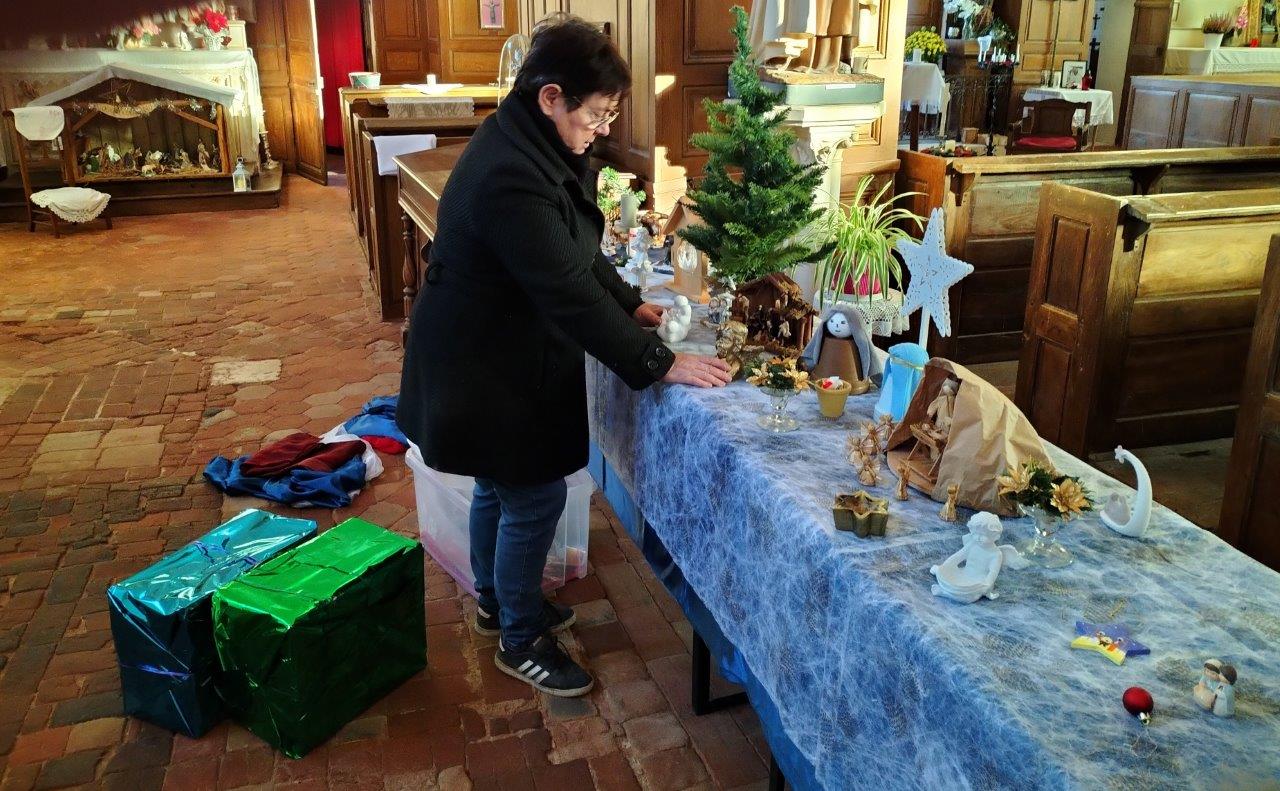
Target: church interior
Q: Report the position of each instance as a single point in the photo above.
(1049, 246)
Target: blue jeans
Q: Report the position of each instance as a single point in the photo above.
(512, 528)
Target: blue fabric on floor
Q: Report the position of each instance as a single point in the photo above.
(878, 682)
(299, 488)
(377, 418)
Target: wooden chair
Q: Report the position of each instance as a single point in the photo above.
(42, 205)
(1049, 128)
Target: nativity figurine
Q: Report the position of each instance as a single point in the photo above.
(948, 512)
(1216, 691)
(904, 480)
(731, 345)
(941, 411)
(202, 156)
(842, 347)
(970, 574)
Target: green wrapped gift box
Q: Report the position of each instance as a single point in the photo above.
(314, 637)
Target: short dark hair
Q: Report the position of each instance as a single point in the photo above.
(576, 55)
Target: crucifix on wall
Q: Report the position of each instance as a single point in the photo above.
(491, 16)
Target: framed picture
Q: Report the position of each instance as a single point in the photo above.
(1073, 73)
(491, 14)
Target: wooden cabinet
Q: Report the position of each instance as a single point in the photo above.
(991, 207)
(1188, 111)
(1139, 314)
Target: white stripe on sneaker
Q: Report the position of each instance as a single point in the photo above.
(525, 666)
(542, 676)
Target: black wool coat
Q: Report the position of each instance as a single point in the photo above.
(494, 382)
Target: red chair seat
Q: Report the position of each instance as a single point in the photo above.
(1048, 143)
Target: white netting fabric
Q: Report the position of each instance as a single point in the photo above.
(73, 204)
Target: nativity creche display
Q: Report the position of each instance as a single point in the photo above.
(960, 430)
(776, 314)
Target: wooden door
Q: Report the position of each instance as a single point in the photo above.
(1149, 38)
(469, 50)
(405, 40)
(267, 38)
(305, 88)
(1251, 507)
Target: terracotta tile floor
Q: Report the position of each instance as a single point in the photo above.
(109, 345)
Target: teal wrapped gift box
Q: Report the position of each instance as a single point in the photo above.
(161, 626)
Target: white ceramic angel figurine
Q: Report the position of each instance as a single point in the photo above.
(642, 266)
(970, 574)
(675, 322)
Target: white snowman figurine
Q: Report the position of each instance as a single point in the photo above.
(675, 322)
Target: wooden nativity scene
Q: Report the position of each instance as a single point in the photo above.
(129, 123)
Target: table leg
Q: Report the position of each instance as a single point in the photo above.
(915, 126)
(777, 782)
(409, 272)
(703, 703)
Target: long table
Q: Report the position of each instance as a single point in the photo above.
(861, 677)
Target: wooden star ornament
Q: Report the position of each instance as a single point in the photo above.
(933, 273)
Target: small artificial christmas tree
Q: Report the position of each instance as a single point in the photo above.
(763, 221)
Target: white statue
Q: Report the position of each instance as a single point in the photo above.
(817, 34)
(1125, 518)
(676, 322)
(970, 573)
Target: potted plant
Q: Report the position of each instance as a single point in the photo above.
(1214, 28)
(927, 41)
(865, 232)
(1051, 499)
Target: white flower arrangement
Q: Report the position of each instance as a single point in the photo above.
(964, 9)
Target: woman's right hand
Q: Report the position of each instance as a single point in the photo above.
(699, 371)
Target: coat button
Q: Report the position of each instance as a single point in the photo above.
(653, 365)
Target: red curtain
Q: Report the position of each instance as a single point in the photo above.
(341, 45)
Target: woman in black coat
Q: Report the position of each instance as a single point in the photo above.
(516, 289)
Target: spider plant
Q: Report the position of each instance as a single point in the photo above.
(865, 231)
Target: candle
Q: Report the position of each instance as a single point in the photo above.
(629, 207)
(431, 79)
(1017, 55)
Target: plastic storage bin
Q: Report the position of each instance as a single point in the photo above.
(444, 507)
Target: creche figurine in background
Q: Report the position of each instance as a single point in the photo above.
(1130, 519)
(676, 321)
(842, 347)
(971, 573)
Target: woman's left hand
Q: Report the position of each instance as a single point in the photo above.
(648, 315)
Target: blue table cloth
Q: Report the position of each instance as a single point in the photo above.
(876, 681)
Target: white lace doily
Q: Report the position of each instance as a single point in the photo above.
(73, 204)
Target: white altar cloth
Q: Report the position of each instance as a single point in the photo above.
(28, 74)
(1223, 60)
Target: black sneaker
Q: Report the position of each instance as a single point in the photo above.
(546, 667)
(557, 617)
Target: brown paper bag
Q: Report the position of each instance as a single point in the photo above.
(988, 435)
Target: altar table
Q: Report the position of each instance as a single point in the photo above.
(1222, 60)
(862, 678)
(1101, 103)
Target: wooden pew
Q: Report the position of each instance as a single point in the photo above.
(1250, 514)
(379, 193)
(422, 180)
(1139, 314)
(358, 103)
(991, 203)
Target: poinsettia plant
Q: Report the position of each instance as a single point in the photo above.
(1035, 485)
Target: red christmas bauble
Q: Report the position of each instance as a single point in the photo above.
(1139, 703)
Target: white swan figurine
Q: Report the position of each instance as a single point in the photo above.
(970, 573)
(1125, 518)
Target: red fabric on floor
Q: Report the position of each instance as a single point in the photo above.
(386, 444)
(300, 450)
(1049, 143)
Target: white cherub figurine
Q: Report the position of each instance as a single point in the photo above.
(970, 573)
(675, 322)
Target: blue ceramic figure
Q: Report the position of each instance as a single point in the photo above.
(902, 375)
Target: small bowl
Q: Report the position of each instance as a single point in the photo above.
(365, 79)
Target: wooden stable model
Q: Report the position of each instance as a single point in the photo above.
(775, 313)
(1140, 314)
(992, 204)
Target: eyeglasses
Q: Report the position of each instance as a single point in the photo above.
(598, 120)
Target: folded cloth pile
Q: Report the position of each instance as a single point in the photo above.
(376, 424)
(301, 470)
